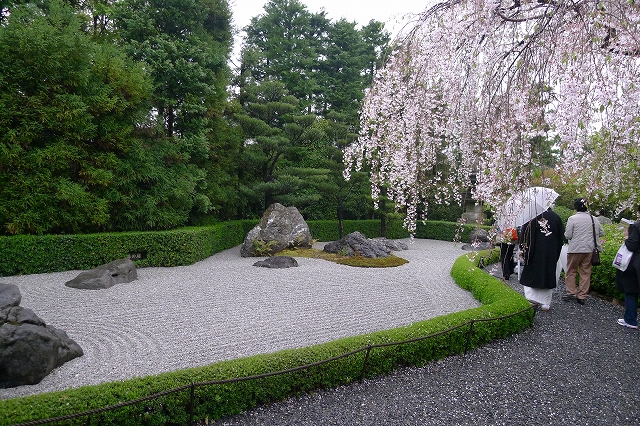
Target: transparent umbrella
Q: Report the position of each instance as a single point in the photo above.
(523, 206)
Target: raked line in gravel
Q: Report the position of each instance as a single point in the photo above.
(224, 308)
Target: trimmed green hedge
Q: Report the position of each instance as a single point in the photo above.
(327, 230)
(215, 401)
(603, 277)
(446, 231)
(37, 254)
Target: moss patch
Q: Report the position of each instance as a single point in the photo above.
(358, 261)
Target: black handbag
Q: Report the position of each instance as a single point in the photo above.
(595, 255)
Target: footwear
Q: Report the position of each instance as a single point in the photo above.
(580, 301)
(623, 323)
(545, 307)
(568, 297)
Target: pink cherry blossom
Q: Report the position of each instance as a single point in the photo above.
(469, 85)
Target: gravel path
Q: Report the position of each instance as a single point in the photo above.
(575, 366)
(224, 308)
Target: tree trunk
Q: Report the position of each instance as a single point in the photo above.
(383, 212)
(340, 222)
(383, 225)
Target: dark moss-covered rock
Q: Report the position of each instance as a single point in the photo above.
(29, 349)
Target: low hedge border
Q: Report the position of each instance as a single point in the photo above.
(39, 254)
(215, 401)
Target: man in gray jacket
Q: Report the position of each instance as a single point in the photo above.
(580, 233)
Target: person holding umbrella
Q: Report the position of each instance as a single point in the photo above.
(541, 241)
(522, 208)
(507, 240)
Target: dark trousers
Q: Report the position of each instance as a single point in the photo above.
(631, 308)
(506, 259)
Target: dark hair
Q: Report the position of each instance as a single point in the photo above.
(580, 205)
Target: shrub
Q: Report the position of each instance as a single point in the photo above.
(446, 231)
(445, 213)
(34, 254)
(564, 213)
(603, 277)
(327, 230)
(264, 248)
(332, 367)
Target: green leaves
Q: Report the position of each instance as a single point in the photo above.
(301, 81)
(99, 132)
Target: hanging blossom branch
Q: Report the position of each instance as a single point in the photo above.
(469, 86)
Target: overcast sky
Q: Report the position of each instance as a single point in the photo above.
(391, 12)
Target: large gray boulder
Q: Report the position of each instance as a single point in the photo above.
(9, 295)
(280, 228)
(479, 235)
(604, 220)
(393, 245)
(478, 240)
(105, 276)
(29, 349)
(277, 262)
(358, 244)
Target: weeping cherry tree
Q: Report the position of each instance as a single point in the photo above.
(473, 82)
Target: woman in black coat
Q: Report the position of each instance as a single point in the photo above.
(541, 242)
(628, 281)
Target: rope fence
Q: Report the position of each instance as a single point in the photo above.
(192, 386)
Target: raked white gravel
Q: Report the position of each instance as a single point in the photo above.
(224, 308)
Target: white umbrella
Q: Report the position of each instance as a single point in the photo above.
(523, 206)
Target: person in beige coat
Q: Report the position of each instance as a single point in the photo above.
(580, 233)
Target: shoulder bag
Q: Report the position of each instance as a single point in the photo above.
(595, 255)
(623, 257)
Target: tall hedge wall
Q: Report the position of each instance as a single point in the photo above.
(327, 230)
(31, 254)
(37, 254)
